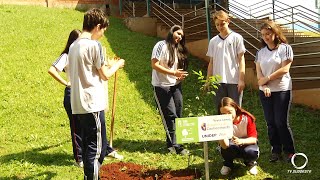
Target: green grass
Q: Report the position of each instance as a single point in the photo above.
(34, 129)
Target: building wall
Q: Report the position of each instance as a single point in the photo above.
(144, 25)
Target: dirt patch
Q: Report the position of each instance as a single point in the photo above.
(131, 171)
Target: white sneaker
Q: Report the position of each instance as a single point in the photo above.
(172, 150)
(225, 170)
(79, 164)
(253, 170)
(115, 155)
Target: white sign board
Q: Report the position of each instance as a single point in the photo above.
(202, 129)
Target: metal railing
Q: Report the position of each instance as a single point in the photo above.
(166, 14)
(131, 7)
(301, 44)
(297, 18)
(237, 16)
(195, 22)
(196, 17)
(292, 18)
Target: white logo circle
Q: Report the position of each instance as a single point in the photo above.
(299, 154)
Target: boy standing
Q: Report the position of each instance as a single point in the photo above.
(226, 51)
(88, 70)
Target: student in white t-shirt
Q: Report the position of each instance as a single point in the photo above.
(226, 51)
(87, 73)
(169, 63)
(61, 64)
(273, 62)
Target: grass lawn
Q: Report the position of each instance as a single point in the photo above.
(34, 129)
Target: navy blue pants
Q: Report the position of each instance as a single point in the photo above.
(276, 112)
(94, 142)
(227, 90)
(74, 127)
(169, 102)
(249, 153)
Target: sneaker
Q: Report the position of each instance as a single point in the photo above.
(253, 170)
(289, 157)
(114, 154)
(275, 157)
(79, 164)
(172, 150)
(225, 170)
(184, 152)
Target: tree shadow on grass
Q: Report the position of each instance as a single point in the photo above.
(38, 156)
(136, 49)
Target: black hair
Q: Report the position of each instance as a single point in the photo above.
(74, 34)
(182, 51)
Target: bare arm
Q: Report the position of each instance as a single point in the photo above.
(259, 73)
(265, 88)
(285, 67)
(55, 74)
(156, 66)
(106, 72)
(210, 67)
(224, 143)
(244, 141)
(242, 70)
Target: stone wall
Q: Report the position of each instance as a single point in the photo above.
(144, 25)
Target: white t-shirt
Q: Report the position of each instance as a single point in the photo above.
(160, 51)
(62, 64)
(270, 61)
(224, 53)
(87, 89)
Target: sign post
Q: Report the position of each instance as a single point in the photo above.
(204, 129)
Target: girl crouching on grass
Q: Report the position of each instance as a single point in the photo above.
(244, 141)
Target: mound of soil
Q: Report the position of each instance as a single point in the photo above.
(131, 171)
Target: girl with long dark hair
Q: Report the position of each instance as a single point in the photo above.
(62, 64)
(169, 63)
